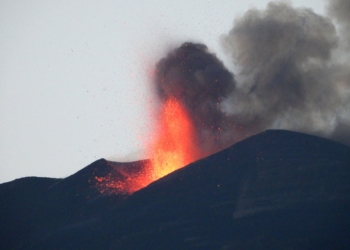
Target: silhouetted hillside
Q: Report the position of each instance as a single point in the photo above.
(275, 190)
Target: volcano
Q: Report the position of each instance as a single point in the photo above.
(275, 190)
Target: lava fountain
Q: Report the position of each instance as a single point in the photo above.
(174, 145)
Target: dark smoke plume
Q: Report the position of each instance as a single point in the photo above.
(200, 81)
(291, 72)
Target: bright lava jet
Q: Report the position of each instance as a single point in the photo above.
(172, 147)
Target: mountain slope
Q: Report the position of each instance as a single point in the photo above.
(275, 190)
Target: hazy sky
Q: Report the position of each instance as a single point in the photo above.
(74, 75)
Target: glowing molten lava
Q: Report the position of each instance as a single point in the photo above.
(172, 147)
(174, 143)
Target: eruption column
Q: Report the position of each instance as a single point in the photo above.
(174, 145)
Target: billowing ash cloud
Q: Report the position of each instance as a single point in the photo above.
(287, 75)
(291, 72)
(283, 56)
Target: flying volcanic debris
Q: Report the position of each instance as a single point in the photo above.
(191, 83)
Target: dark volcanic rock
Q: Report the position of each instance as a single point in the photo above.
(33, 208)
(275, 190)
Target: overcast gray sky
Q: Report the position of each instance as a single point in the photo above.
(74, 75)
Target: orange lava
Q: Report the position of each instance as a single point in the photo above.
(172, 147)
(174, 144)
(125, 179)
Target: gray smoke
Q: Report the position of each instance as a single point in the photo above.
(339, 11)
(291, 72)
(288, 72)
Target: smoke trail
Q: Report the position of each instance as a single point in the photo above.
(292, 72)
